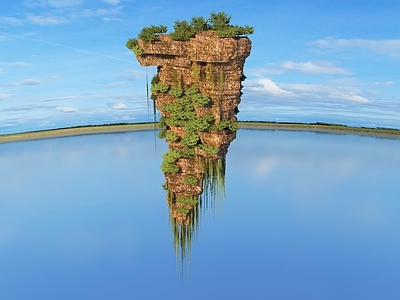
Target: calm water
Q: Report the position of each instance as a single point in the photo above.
(305, 216)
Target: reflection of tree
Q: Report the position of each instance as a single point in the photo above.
(188, 200)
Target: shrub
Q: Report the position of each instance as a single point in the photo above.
(183, 31)
(132, 44)
(190, 139)
(199, 24)
(169, 168)
(191, 90)
(162, 133)
(226, 124)
(176, 92)
(192, 180)
(171, 137)
(182, 210)
(187, 152)
(209, 149)
(171, 156)
(159, 87)
(220, 22)
(191, 200)
(155, 80)
(149, 34)
(199, 99)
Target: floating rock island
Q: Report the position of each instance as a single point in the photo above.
(197, 90)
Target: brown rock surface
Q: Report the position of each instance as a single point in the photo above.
(215, 66)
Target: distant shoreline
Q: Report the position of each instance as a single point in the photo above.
(127, 127)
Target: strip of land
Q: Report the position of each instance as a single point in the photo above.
(322, 127)
(126, 127)
(73, 131)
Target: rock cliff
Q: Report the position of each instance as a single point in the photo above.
(197, 90)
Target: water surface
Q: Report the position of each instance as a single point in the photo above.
(305, 216)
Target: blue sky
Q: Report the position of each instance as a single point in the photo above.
(64, 62)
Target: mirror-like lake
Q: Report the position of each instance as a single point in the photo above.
(305, 216)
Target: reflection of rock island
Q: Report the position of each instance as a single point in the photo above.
(197, 90)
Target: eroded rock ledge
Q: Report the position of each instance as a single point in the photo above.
(198, 133)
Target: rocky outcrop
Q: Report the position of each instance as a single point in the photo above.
(213, 64)
(199, 132)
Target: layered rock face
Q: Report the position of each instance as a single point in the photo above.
(214, 66)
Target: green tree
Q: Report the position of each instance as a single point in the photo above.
(182, 31)
(149, 34)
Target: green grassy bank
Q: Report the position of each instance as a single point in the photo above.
(125, 127)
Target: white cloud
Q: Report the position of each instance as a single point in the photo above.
(53, 3)
(117, 84)
(108, 19)
(126, 118)
(306, 91)
(310, 67)
(108, 11)
(64, 3)
(325, 91)
(112, 2)
(389, 47)
(7, 65)
(47, 20)
(132, 75)
(318, 67)
(267, 86)
(5, 96)
(347, 96)
(30, 81)
(67, 109)
(11, 21)
(385, 83)
(46, 123)
(116, 104)
(14, 64)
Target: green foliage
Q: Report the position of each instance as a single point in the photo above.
(190, 139)
(192, 180)
(226, 124)
(159, 87)
(182, 31)
(161, 123)
(221, 78)
(171, 156)
(171, 137)
(191, 90)
(199, 99)
(165, 186)
(155, 80)
(149, 34)
(220, 22)
(200, 123)
(132, 44)
(176, 92)
(196, 72)
(209, 149)
(187, 152)
(199, 24)
(162, 133)
(182, 210)
(169, 168)
(168, 165)
(191, 200)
